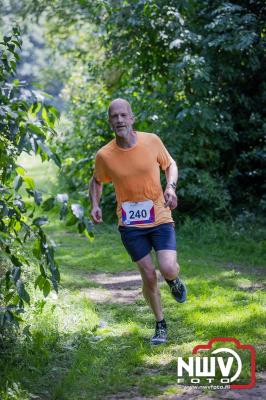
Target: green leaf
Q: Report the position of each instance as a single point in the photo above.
(4, 238)
(8, 283)
(42, 270)
(45, 148)
(88, 223)
(13, 64)
(50, 115)
(55, 284)
(57, 160)
(16, 261)
(29, 182)
(89, 235)
(16, 272)
(81, 227)
(17, 43)
(44, 114)
(20, 171)
(17, 226)
(46, 288)
(71, 221)
(32, 213)
(40, 281)
(17, 182)
(63, 211)
(3, 208)
(36, 129)
(7, 39)
(48, 204)
(37, 249)
(54, 111)
(9, 295)
(35, 108)
(23, 294)
(40, 221)
(37, 197)
(20, 204)
(33, 145)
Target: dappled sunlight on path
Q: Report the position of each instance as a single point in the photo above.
(121, 288)
(256, 393)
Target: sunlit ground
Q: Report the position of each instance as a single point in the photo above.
(84, 346)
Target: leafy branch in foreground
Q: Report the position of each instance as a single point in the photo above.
(26, 125)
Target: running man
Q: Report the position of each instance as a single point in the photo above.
(132, 163)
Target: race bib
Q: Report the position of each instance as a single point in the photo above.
(140, 212)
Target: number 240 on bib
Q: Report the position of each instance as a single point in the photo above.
(140, 212)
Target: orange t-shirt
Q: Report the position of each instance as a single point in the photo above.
(135, 173)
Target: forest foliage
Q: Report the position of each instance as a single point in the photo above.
(194, 73)
(22, 129)
(27, 125)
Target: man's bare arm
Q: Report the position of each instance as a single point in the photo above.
(171, 174)
(95, 192)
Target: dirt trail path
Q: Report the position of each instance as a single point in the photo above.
(125, 288)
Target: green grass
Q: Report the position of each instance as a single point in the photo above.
(72, 348)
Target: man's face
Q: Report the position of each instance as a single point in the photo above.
(121, 119)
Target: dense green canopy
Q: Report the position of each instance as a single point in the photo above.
(194, 73)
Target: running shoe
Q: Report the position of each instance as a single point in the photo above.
(160, 336)
(179, 291)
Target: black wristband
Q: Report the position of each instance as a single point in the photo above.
(172, 184)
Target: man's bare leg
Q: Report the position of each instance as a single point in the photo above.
(168, 264)
(150, 288)
(170, 269)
